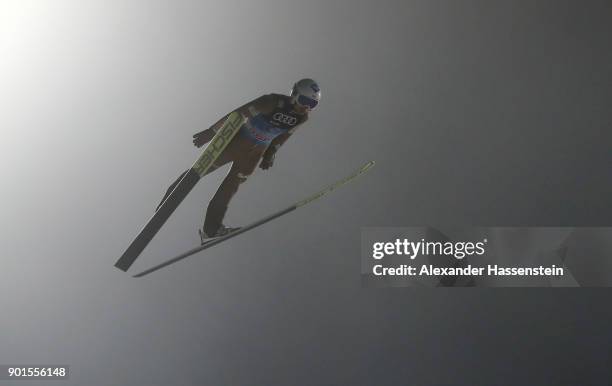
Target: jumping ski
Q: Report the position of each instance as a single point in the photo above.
(214, 149)
(214, 241)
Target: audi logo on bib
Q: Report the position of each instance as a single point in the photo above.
(286, 119)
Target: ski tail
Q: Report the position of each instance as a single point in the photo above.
(260, 222)
(202, 165)
(158, 219)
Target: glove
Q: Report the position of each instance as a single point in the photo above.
(203, 137)
(267, 161)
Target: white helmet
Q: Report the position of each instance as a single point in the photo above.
(307, 93)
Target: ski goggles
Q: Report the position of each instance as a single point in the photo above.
(307, 102)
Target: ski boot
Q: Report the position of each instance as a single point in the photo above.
(221, 231)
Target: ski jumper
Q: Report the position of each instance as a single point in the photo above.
(245, 151)
(262, 132)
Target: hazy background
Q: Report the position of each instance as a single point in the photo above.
(477, 113)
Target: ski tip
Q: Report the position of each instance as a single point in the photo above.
(367, 166)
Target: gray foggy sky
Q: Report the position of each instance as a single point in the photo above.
(477, 113)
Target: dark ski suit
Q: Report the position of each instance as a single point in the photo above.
(270, 121)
